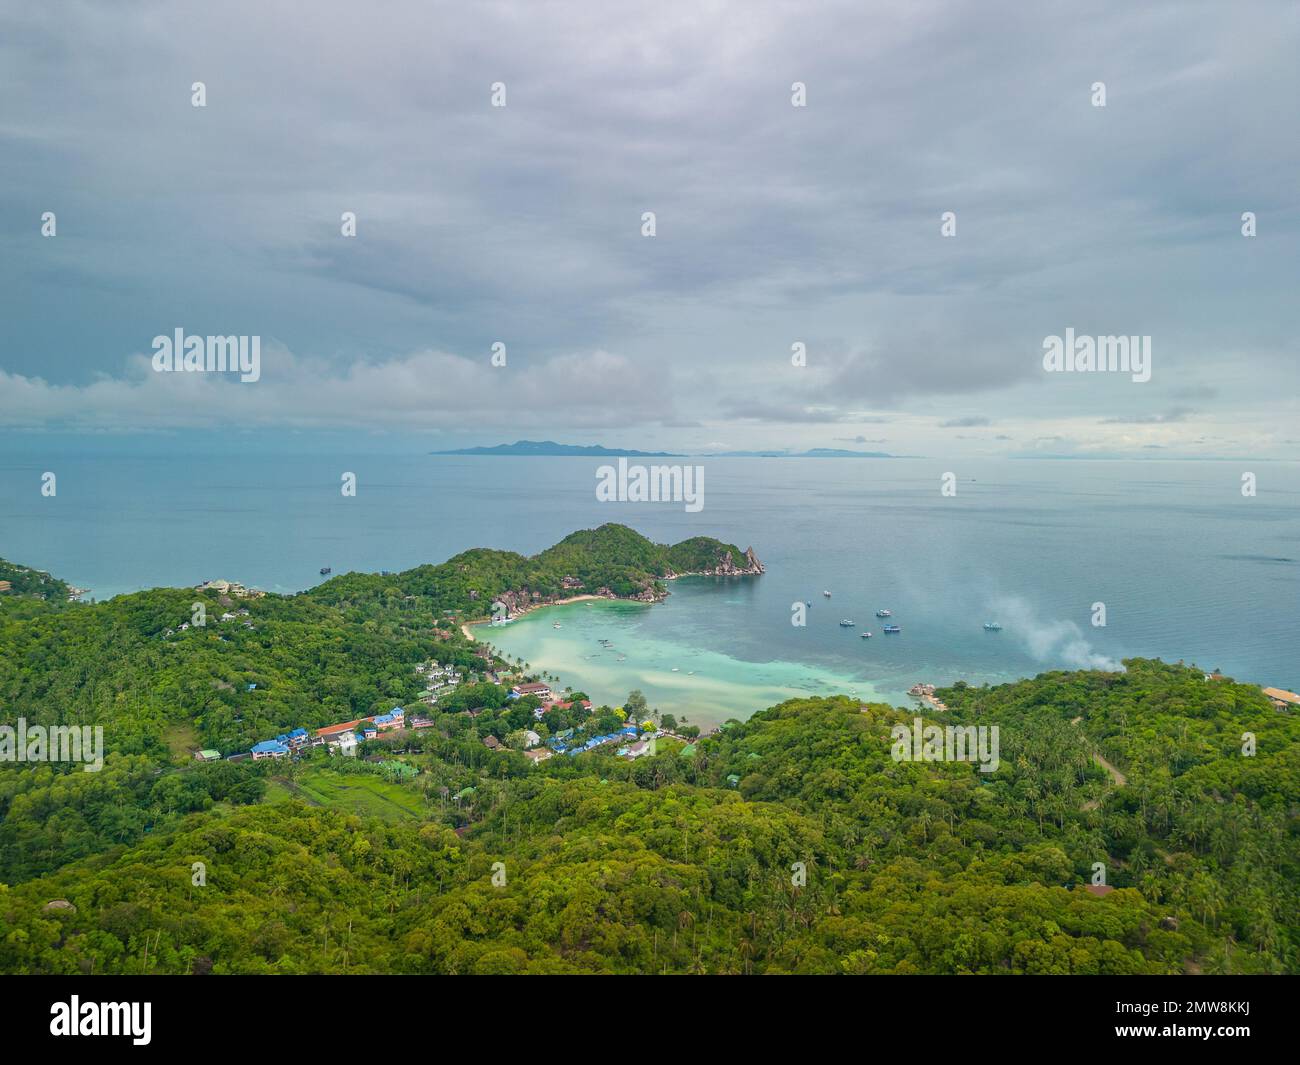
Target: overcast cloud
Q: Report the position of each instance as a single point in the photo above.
(775, 224)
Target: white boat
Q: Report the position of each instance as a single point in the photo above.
(847, 623)
(827, 594)
(866, 635)
(884, 613)
(992, 626)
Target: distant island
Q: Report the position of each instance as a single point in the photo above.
(551, 448)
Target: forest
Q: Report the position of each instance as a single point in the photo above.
(791, 842)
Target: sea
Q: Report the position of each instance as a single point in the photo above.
(1172, 556)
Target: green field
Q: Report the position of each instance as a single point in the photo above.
(357, 794)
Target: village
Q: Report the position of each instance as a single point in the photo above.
(634, 740)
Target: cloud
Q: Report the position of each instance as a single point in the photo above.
(965, 423)
(423, 391)
(1177, 414)
(776, 224)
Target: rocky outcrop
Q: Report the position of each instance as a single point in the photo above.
(727, 567)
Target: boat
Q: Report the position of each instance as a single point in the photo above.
(892, 628)
(325, 571)
(556, 625)
(807, 602)
(847, 622)
(827, 594)
(675, 669)
(866, 635)
(992, 626)
(884, 613)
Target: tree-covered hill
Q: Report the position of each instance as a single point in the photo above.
(790, 842)
(826, 855)
(20, 581)
(612, 557)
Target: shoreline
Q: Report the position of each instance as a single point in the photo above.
(467, 625)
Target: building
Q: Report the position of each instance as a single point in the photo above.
(531, 739)
(491, 743)
(538, 754)
(542, 691)
(330, 733)
(1282, 698)
(346, 743)
(586, 705)
(269, 749)
(640, 749)
(207, 756)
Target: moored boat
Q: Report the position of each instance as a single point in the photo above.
(892, 628)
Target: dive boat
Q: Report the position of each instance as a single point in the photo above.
(892, 628)
(992, 626)
(846, 623)
(884, 613)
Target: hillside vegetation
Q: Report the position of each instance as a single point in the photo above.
(791, 842)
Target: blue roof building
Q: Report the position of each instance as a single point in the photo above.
(269, 749)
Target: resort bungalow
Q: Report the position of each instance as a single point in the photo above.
(330, 733)
(269, 749)
(531, 739)
(586, 705)
(1282, 698)
(207, 756)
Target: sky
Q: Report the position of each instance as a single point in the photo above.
(775, 224)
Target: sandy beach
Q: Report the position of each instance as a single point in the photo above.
(467, 626)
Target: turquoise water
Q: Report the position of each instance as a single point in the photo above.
(648, 650)
(1187, 568)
